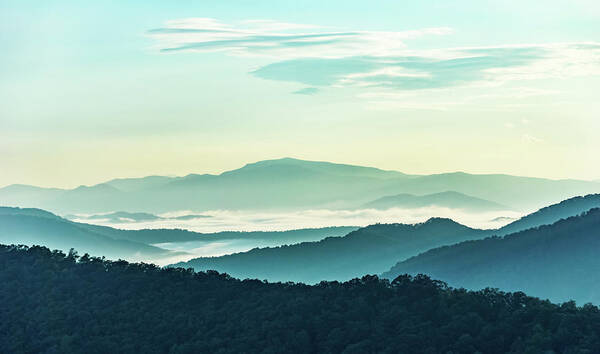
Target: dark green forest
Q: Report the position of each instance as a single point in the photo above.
(61, 303)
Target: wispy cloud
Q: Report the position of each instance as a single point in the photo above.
(306, 91)
(281, 40)
(435, 99)
(439, 69)
(319, 56)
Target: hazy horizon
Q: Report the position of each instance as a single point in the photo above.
(218, 172)
(92, 92)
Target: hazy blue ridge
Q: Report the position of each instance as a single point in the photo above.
(448, 199)
(370, 250)
(288, 183)
(558, 261)
(550, 214)
(36, 226)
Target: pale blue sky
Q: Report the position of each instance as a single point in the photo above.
(95, 90)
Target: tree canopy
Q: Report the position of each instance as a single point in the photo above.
(62, 303)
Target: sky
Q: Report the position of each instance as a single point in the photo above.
(91, 91)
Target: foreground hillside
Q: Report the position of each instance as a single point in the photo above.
(55, 303)
(558, 261)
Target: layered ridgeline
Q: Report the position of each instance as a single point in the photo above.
(288, 184)
(39, 227)
(370, 250)
(90, 305)
(550, 214)
(449, 199)
(559, 261)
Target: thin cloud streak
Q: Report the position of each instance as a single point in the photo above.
(317, 56)
(265, 38)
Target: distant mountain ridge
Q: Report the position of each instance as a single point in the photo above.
(288, 184)
(558, 261)
(448, 199)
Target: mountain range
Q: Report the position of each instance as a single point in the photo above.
(288, 184)
(550, 214)
(558, 261)
(35, 226)
(449, 199)
(538, 253)
(370, 250)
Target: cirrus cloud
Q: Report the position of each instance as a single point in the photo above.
(280, 40)
(318, 56)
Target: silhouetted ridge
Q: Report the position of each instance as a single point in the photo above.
(372, 249)
(440, 222)
(550, 214)
(28, 211)
(447, 199)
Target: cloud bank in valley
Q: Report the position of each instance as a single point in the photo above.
(228, 220)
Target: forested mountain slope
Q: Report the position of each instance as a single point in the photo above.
(552, 213)
(369, 250)
(558, 261)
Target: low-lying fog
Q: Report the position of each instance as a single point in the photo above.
(229, 220)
